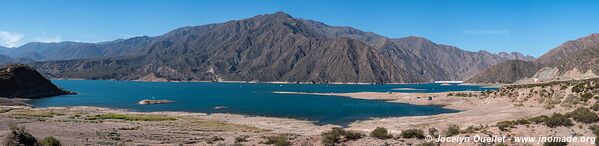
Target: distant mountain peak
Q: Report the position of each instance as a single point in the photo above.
(416, 39)
(515, 56)
(281, 14)
(570, 47)
(275, 16)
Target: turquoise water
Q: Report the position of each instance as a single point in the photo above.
(248, 99)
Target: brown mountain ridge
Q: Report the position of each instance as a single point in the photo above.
(273, 47)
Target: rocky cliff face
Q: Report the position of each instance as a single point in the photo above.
(506, 72)
(22, 81)
(577, 59)
(515, 56)
(458, 63)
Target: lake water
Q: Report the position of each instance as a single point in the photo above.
(248, 99)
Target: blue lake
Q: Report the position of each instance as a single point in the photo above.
(249, 99)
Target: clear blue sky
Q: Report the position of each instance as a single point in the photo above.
(531, 27)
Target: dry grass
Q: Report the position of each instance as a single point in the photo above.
(35, 113)
(141, 117)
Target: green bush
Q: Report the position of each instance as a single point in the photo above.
(539, 119)
(558, 120)
(583, 115)
(555, 144)
(522, 122)
(586, 96)
(578, 88)
(380, 133)
(595, 107)
(505, 125)
(19, 136)
(452, 130)
(50, 141)
(279, 140)
(595, 129)
(332, 137)
(337, 135)
(412, 133)
(351, 135)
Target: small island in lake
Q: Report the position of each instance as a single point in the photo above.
(150, 101)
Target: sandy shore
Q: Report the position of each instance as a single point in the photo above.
(77, 125)
(73, 126)
(474, 110)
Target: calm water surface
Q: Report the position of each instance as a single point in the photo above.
(249, 99)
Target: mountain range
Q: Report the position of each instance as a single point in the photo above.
(271, 47)
(575, 59)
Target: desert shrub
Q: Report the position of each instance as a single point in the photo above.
(50, 141)
(555, 144)
(558, 120)
(332, 137)
(539, 119)
(570, 100)
(583, 115)
(351, 135)
(505, 125)
(280, 140)
(462, 94)
(595, 129)
(522, 122)
(470, 129)
(412, 133)
(241, 139)
(433, 132)
(578, 88)
(586, 96)
(213, 139)
(595, 107)
(452, 130)
(337, 135)
(19, 136)
(380, 133)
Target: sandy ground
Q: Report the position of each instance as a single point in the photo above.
(475, 111)
(73, 126)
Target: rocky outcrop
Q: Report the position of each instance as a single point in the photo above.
(150, 101)
(506, 72)
(515, 56)
(22, 81)
(458, 63)
(573, 60)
